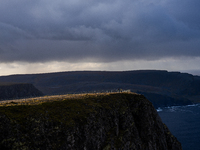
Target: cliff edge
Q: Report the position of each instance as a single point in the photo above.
(120, 121)
(18, 90)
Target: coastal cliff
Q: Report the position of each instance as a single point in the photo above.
(118, 121)
(18, 90)
(161, 87)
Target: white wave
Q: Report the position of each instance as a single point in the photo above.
(183, 108)
(174, 107)
(192, 105)
(159, 109)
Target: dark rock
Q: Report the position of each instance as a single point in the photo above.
(116, 121)
(18, 90)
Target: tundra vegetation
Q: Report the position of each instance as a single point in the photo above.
(52, 98)
(84, 121)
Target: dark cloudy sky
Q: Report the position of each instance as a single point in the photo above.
(63, 35)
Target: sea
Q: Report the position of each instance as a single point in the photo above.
(184, 124)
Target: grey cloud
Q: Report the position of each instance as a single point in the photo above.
(11, 33)
(184, 11)
(42, 30)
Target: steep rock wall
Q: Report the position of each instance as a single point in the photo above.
(18, 90)
(115, 121)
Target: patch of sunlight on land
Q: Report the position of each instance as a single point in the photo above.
(43, 99)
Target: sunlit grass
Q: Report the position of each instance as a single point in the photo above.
(65, 109)
(39, 100)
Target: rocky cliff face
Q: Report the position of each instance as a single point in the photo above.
(18, 90)
(99, 122)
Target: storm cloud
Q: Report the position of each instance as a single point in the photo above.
(98, 31)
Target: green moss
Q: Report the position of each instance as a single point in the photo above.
(60, 114)
(65, 111)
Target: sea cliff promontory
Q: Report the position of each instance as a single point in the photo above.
(118, 121)
(18, 90)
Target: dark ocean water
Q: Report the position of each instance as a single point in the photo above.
(184, 124)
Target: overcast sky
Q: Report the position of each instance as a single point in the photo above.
(65, 35)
